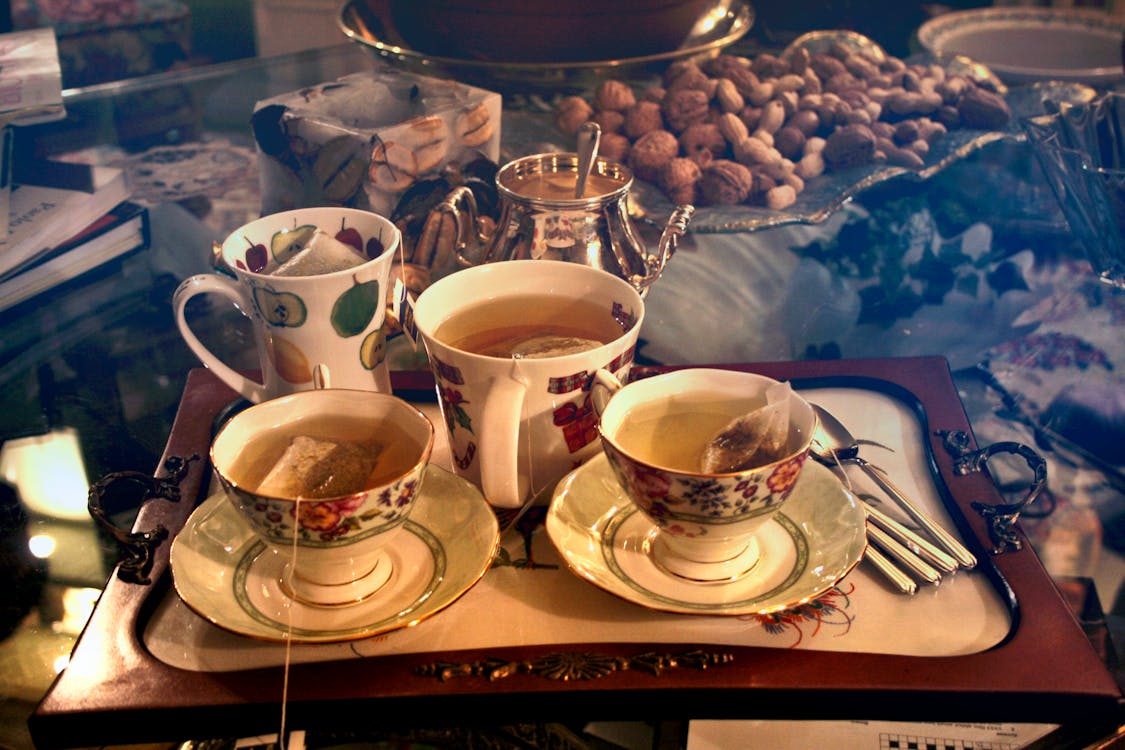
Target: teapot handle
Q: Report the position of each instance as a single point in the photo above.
(461, 205)
(669, 240)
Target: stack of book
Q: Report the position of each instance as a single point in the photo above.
(58, 221)
(58, 234)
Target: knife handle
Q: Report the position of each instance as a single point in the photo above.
(914, 564)
(964, 558)
(904, 583)
(914, 542)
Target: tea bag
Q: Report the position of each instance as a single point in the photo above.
(550, 345)
(753, 439)
(323, 254)
(315, 468)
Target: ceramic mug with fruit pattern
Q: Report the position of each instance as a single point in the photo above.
(313, 281)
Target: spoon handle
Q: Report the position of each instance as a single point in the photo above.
(914, 542)
(883, 564)
(589, 136)
(964, 557)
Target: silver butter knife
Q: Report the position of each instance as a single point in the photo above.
(964, 557)
(900, 580)
(917, 567)
(912, 541)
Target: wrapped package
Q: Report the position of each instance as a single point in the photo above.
(364, 139)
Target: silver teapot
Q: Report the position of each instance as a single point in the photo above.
(541, 217)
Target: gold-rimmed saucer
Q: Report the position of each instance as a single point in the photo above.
(814, 541)
(228, 576)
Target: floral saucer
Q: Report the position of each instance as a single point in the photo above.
(815, 540)
(228, 576)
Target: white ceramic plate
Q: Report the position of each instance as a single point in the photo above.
(229, 577)
(815, 540)
(1032, 44)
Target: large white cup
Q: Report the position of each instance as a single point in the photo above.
(517, 426)
(329, 324)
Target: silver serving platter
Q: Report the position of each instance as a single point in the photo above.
(370, 26)
(827, 194)
(530, 129)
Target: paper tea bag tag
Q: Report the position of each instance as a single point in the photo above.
(402, 306)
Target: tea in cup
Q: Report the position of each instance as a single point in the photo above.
(313, 281)
(327, 477)
(513, 346)
(706, 489)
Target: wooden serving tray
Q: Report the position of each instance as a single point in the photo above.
(114, 691)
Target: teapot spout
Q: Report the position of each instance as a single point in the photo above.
(669, 240)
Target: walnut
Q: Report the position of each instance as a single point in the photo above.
(725, 183)
(614, 147)
(615, 95)
(651, 152)
(680, 180)
(609, 120)
(686, 75)
(721, 65)
(641, 118)
(571, 113)
(702, 142)
(684, 107)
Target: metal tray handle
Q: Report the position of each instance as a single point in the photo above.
(1001, 517)
(135, 549)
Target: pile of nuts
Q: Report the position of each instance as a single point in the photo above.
(735, 130)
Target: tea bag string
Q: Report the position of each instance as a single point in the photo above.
(282, 741)
(844, 477)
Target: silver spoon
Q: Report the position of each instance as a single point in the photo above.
(589, 137)
(834, 443)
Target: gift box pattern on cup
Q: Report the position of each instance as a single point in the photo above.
(576, 418)
(364, 139)
(514, 346)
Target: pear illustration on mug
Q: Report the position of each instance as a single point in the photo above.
(283, 309)
(289, 361)
(288, 242)
(355, 308)
(373, 350)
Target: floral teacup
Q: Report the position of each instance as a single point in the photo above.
(364, 456)
(654, 431)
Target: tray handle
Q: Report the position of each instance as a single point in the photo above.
(1001, 517)
(135, 549)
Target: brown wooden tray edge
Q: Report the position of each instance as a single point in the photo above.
(115, 691)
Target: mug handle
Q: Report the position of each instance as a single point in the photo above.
(499, 448)
(602, 389)
(207, 283)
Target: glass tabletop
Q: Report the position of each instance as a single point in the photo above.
(975, 264)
